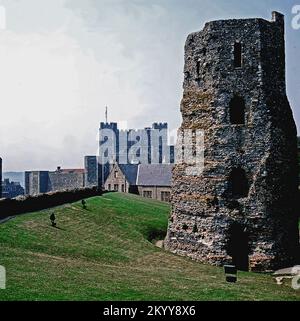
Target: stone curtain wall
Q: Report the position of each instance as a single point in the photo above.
(38, 182)
(61, 181)
(257, 230)
(21, 204)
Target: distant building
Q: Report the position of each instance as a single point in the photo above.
(91, 171)
(157, 152)
(153, 142)
(14, 177)
(122, 178)
(148, 180)
(37, 182)
(11, 189)
(154, 181)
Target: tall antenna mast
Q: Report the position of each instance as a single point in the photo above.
(106, 114)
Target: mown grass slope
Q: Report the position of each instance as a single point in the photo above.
(104, 253)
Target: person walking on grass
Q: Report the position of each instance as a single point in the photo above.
(52, 219)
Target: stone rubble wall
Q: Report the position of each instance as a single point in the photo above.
(265, 147)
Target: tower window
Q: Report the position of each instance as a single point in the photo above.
(237, 111)
(238, 183)
(237, 55)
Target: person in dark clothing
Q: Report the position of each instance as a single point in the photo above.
(52, 219)
(83, 202)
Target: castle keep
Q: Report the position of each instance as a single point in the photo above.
(242, 208)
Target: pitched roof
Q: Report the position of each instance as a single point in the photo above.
(130, 172)
(154, 175)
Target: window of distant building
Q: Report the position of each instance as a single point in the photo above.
(109, 187)
(116, 174)
(116, 187)
(123, 188)
(165, 196)
(147, 194)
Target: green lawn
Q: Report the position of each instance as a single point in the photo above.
(103, 253)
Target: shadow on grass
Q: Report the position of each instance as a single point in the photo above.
(59, 228)
(156, 235)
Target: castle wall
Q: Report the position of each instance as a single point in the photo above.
(39, 182)
(59, 181)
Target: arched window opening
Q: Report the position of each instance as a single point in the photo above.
(237, 111)
(237, 55)
(238, 183)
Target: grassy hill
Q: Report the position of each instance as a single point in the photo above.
(103, 253)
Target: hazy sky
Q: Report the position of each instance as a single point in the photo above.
(62, 61)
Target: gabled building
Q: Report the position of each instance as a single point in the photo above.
(122, 178)
(150, 181)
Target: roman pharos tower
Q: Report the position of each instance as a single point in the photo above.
(242, 208)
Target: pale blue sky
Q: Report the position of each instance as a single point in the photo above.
(62, 61)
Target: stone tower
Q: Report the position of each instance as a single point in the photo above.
(242, 208)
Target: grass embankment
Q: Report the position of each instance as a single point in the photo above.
(104, 253)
